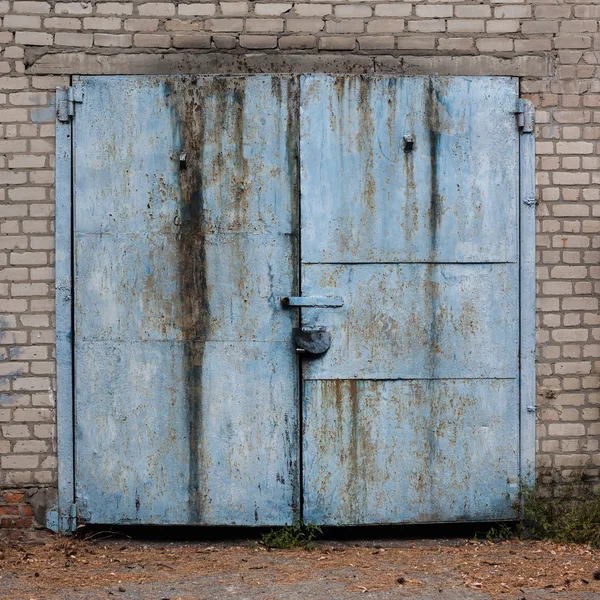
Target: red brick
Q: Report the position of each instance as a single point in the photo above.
(14, 497)
(18, 523)
(7, 510)
(26, 510)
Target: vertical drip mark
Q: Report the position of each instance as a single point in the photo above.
(433, 126)
(233, 101)
(366, 141)
(431, 291)
(192, 280)
(431, 284)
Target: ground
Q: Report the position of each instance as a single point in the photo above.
(72, 569)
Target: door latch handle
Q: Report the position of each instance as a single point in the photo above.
(311, 302)
(312, 341)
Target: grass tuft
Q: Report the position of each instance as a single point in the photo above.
(570, 514)
(298, 535)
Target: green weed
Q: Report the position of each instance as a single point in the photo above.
(499, 532)
(298, 535)
(569, 514)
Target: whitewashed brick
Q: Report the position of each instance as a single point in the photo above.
(275, 9)
(152, 40)
(352, 11)
(114, 8)
(579, 26)
(311, 10)
(416, 42)
(427, 26)
(62, 23)
(305, 25)
(21, 22)
(200, 10)
(225, 42)
(188, 40)
(572, 41)
(538, 27)
(297, 42)
(566, 429)
(466, 26)
(337, 43)
(473, 11)
(494, 44)
(102, 23)
(503, 26)
(73, 8)
(393, 10)
(385, 26)
(256, 25)
(379, 42)
(552, 12)
(10, 115)
(84, 40)
(224, 25)
(158, 9)
(112, 40)
(575, 147)
(439, 11)
(30, 446)
(347, 26)
(189, 25)
(32, 415)
(233, 9)
(141, 24)
(14, 461)
(41, 8)
(258, 41)
(512, 12)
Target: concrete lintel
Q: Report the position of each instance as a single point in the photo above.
(82, 63)
(520, 66)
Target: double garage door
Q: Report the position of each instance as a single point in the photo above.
(297, 297)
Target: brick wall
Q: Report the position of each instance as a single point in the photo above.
(568, 132)
(15, 512)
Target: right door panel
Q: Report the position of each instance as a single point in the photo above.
(409, 198)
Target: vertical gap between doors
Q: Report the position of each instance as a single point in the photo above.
(73, 366)
(300, 515)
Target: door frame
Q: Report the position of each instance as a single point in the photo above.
(63, 516)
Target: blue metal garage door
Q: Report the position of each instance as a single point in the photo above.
(186, 406)
(297, 297)
(409, 203)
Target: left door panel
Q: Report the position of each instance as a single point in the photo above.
(186, 400)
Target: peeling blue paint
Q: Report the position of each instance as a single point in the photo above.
(187, 381)
(46, 114)
(178, 271)
(413, 413)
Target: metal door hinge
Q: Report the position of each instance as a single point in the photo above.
(63, 521)
(73, 517)
(525, 115)
(65, 107)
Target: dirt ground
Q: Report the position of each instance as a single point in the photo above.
(67, 568)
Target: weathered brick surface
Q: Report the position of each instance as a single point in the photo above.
(15, 513)
(568, 179)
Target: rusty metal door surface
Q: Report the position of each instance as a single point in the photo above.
(409, 213)
(186, 404)
(223, 223)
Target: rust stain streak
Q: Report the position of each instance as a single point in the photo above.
(192, 268)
